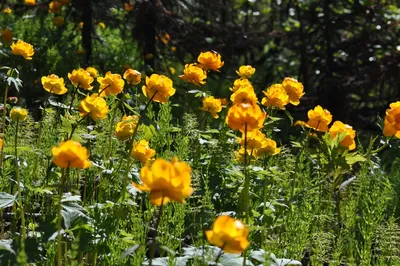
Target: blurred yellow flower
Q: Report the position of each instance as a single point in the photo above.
(319, 119)
(80, 52)
(30, 2)
(166, 181)
(128, 7)
(6, 36)
(125, 129)
(338, 128)
(392, 121)
(229, 234)
(54, 84)
(102, 25)
(132, 76)
(164, 37)
(80, 25)
(245, 116)
(240, 83)
(55, 7)
(148, 56)
(142, 152)
(244, 95)
(294, 89)
(210, 61)
(171, 70)
(212, 105)
(1, 143)
(95, 106)
(158, 87)
(173, 48)
(93, 72)
(275, 96)
(246, 71)
(111, 84)
(58, 21)
(81, 78)
(268, 147)
(18, 114)
(300, 123)
(7, 10)
(194, 74)
(23, 49)
(71, 154)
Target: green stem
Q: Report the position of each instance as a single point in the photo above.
(382, 147)
(246, 187)
(3, 122)
(153, 241)
(263, 234)
(73, 98)
(111, 131)
(21, 207)
(64, 176)
(76, 125)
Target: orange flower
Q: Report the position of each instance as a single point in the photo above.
(111, 84)
(54, 84)
(229, 234)
(95, 106)
(338, 128)
(210, 60)
(254, 140)
(81, 78)
(128, 7)
(392, 121)
(240, 83)
(319, 119)
(245, 116)
(294, 89)
(125, 129)
(55, 7)
(276, 96)
(212, 105)
(244, 95)
(142, 152)
(194, 74)
(132, 76)
(166, 181)
(1, 143)
(268, 147)
(58, 21)
(30, 2)
(164, 37)
(23, 49)
(93, 72)
(158, 88)
(6, 36)
(246, 71)
(71, 154)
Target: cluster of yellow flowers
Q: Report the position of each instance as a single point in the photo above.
(279, 95)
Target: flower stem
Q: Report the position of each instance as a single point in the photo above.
(111, 131)
(246, 187)
(219, 255)
(3, 122)
(76, 125)
(153, 241)
(64, 176)
(382, 147)
(73, 98)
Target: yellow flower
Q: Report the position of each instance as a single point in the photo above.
(1, 143)
(71, 154)
(254, 140)
(30, 2)
(212, 105)
(95, 105)
(194, 74)
(164, 37)
(171, 70)
(80, 52)
(18, 114)
(132, 76)
(251, 155)
(125, 129)
(275, 96)
(392, 121)
(7, 10)
(166, 181)
(240, 83)
(229, 234)
(338, 128)
(128, 7)
(81, 78)
(245, 116)
(142, 152)
(268, 147)
(159, 85)
(93, 72)
(80, 25)
(111, 84)
(244, 95)
(210, 60)
(58, 21)
(173, 48)
(6, 36)
(319, 119)
(55, 7)
(102, 25)
(246, 71)
(294, 89)
(300, 123)
(23, 49)
(54, 84)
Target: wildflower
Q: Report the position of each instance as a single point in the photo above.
(173, 48)
(392, 121)
(128, 7)
(294, 89)
(158, 88)
(23, 49)
(81, 78)
(80, 52)
(166, 181)
(55, 7)
(251, 155)
(54, 84)
(164, 37)
(6, 36)
(244, 95)
(171, 70)
(7, 10)
(30, 2)
(102, 25)
(125, 129)
(275, 96)
(240, 83)
(210, 60)
(229, 234)
(18, 114)
(1, 143)
(245, 116)
(254, 141)
(300, 123)
(132, 76)
(268, 147)
(212, 105)
(142, 152)
(111, 84)
(194, 74)
(93, 72)
(58, 21)
(95, 106)
(71, 154)
(338, 128)
(319, 119)
(246, 71)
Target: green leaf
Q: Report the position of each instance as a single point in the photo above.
(6, 200)
(352, 158)
(5, 244)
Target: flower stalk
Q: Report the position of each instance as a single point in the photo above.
(64, 176)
